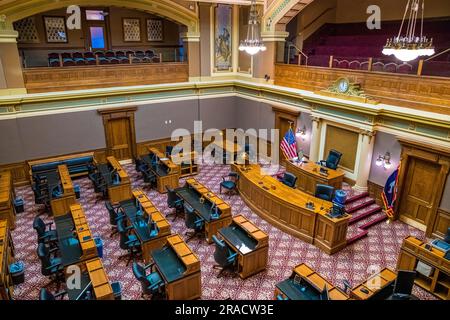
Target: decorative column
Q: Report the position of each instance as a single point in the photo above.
(367, 139)
(264, 62)
(192, 46)
(315, 139)
(11, 76)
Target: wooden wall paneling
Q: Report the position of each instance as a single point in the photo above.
(423, 93)
(375, 192)
(345, 141)
(441, 224)
(120, 132)
(416, 155)
(39, 80)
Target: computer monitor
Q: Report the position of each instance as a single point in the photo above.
(404, 283)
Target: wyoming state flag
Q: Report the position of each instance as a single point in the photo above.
(389, 194)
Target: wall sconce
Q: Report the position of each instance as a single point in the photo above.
(301, 133)
(384, 161)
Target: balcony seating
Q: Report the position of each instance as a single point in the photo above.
(104, 58)
(352, 44)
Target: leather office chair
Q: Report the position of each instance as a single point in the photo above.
(114, 217)
(447, 236)
(332, 162)
(149, 177)
(152, 284)
(50, 266)
(289, 179)
(229, 183)
(128, 241)
(44, 234)
(193, 222)
(225, 258)
(169, 150)
(45, 295)
(174, 202)
(324, 192)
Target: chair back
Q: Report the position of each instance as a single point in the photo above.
(172, 197)
(221, 252)
(112, 213)
(324, 192)
(44, 255)
(139, 274)
(190, 217)
(46, 295)
(39, 226)
(289, 179)
(334, 157)
(169, 150)
(123, 235)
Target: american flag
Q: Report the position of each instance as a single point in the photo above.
(289, 144)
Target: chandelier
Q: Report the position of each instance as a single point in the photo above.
(407, 47)
(253, 43)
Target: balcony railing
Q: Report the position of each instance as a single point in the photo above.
(48, 79)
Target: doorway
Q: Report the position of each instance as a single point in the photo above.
(120, 133)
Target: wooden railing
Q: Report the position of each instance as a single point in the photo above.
(419, 92)
(105, 76)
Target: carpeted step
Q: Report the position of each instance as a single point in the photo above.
(374, 222)
(357, 237)
(354, 196)
(359, 204)
(364, 213)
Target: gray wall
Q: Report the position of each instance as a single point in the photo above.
(218, 113)
(150, 119)
(384, 142)
(254, 115)
(50, 135)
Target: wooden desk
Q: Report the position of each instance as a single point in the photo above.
(375, 285)
(438, 283)
(304, 272)
(186, 168)
(163, 225)
(7, 196)
(286, 209)
(84, 234)
(6, 258)
(176, 255)
(121, 191)
(60, 206)
(308, 176)
(171, 176)
(251, 260)
(231, 148)
(99, 278)
(211, 225)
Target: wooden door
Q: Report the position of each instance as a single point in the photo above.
(120, 133)
(419, 190)
(284, 119)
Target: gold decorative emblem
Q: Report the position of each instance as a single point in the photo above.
(344, 89)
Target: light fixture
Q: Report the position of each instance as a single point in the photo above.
(408, 47)
(301, 133)
(253, 43)
(384, 161)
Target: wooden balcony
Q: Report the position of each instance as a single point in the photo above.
(104, 76)
(412, 91)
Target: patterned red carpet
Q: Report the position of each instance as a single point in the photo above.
(380, 248)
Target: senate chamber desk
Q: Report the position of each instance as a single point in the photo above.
(306, 284)
(6, 258)
(61, 205)
(7, 196)
(286, 208)
(205, 204)
(149, 241)
(308, 176)
(412, 253)
(179, 267)
(250, 243)
(122, 190)
(379, 286)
